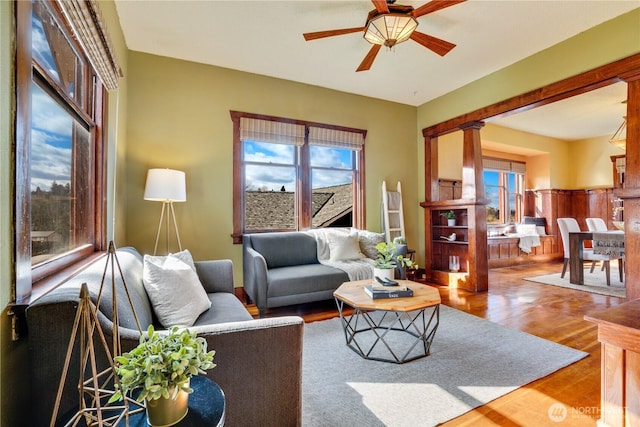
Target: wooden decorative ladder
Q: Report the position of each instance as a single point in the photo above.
(392, 214)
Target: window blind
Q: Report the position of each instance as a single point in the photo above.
(86, 21)
(258, 130)
(502, 165)
(336, 138)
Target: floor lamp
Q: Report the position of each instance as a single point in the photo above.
(166, 186)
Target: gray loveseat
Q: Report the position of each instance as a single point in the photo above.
(259, 361)
(286, 268)
(283, 269)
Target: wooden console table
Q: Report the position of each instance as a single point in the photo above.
(619, 333)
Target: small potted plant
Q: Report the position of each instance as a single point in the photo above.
(385, 262)
(450, 216)
(161, 366)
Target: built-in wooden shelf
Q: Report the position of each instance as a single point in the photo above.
(466, 200)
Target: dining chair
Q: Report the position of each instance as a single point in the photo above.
(596, 224)
(599, 224)
(570, 225)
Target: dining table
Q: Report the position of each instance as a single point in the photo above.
(604, 243)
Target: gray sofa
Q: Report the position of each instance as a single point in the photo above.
(283, 269)
(259, 361)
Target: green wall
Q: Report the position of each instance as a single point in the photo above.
(178, 117)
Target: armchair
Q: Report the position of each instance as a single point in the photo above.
(259, 361)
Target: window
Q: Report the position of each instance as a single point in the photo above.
(59, 145)
(504, 187)
(295, 175)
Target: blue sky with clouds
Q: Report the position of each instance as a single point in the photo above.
(51, 126)
(276, 166)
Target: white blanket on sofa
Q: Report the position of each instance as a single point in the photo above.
(356, 269)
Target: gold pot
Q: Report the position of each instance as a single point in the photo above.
(167, 412)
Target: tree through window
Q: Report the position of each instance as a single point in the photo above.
(504, 187)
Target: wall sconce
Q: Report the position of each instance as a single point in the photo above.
(166, 186)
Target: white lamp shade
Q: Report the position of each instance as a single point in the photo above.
(165, 185)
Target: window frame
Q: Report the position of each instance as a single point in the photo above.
(504, 195)
(303, 203)
(32, 281)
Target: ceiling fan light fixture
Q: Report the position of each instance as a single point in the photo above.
(389, 29)
(619, 139)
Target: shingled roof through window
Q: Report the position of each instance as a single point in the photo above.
(266, 210)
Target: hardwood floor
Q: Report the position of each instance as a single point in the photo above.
(546, 311)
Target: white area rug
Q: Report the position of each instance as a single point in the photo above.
(472, 362)
(595, 282)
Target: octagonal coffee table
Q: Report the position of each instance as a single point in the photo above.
(395, 330)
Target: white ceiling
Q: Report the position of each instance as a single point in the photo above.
(265, 37)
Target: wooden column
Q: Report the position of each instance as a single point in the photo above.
(631, 191)
(472, 176)
(473, 189)
(470, 243)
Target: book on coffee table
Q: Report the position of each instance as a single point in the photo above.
(376, 291)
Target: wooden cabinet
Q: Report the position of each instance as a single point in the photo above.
(619, 170)
(619, 333)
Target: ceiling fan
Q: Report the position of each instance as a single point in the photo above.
(389, 24)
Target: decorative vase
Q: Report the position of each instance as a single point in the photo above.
(383, 272)
(454, 263)
(167, 412)
(451, 222)
(401, 270)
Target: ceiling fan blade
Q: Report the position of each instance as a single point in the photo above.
(371, 56)
(439, 46)
(331, 33)
(381, 6)
(434, 6)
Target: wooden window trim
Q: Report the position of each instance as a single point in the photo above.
(32, 282)
(626, 69)
(304, 205)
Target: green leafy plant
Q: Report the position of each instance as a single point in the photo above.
(404, 262)
(162, 364)
(449, 214)
(386, 252)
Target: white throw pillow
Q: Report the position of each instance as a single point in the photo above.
(185, 256)
(174, 289)
(343, 247)
(541, 230)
